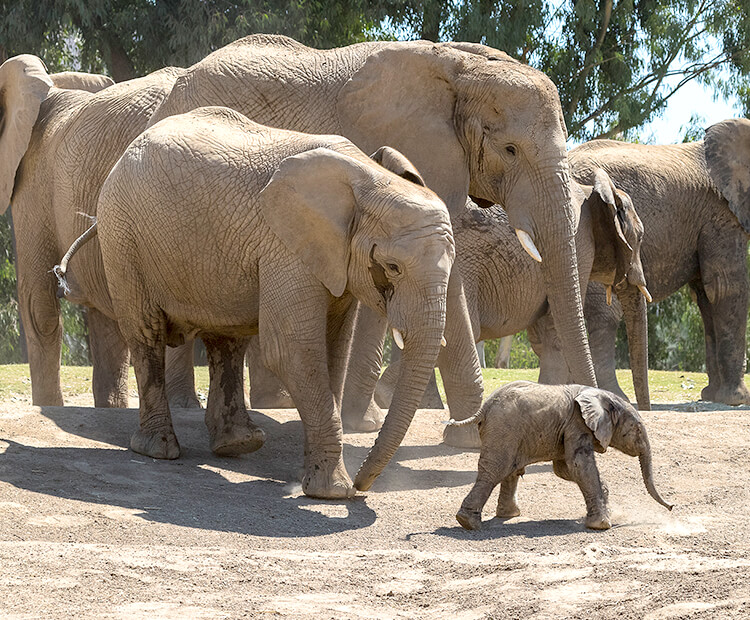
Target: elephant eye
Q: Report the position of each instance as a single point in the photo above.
(394, 268)
(511, 150)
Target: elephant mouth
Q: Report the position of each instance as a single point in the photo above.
(485, 204)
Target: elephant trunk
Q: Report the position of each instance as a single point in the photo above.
(644, 458)
(421, 349)
(556, 239)
(636, 324)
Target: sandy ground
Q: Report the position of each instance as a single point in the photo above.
(91, 529)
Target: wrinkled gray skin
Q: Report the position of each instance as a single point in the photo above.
(472, 120)
(54, 157)
(505, 290)
(211, 225)
(695, 205)
(90, 82)
(523, 423)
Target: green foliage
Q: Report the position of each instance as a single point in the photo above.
(10, 350)
(521, 353)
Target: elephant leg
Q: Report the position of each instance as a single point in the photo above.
(502, 357)
(582, 469)
(553, 369)
(459, 367)
(359, 412)
(712, 367)
(341, 325)
(266, 390)
(40, 314)
(155, 436)
(724, 303)
(110, 358)
(507, 504)
(387, 385)
(602, 322)
(180, 377)
(293, 344)
(560, 467)
(230, 429)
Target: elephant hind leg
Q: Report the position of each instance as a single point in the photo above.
(266, 390)
(229, 426)
(180, 376)
(507, 504)
(110, 358)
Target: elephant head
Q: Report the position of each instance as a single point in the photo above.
(476, 122)
(388, 241)
(614, 422)
(618, 235)
(727, 152)
(24, 84)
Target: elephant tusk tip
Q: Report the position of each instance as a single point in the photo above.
(645, 293)
(398, 338)
(528, 244)
(609, 295)
(443, 342)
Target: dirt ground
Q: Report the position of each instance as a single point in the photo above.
(91, 529)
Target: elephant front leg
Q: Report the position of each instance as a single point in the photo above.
(293, 344)
(180, 376)
(110, 358)
(582, 469)
(359, 412)
(155, 436)
(230, 429)
(267, 391)
(459, 367)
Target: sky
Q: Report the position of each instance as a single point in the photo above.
(691, 99)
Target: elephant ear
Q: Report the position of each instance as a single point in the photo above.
(397, 163)
(616, 229)
(309, 203)
(24, 84)
(404, 96)
(598, 410)
(727, 149)
(90, 82)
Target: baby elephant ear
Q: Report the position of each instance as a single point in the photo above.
(396, 162)
(597, 410)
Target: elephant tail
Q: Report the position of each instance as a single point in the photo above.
(475, 419)
(62, 268)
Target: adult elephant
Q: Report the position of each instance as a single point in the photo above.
(470, 118)
(57, 147)
(694, 200)
(505, 288)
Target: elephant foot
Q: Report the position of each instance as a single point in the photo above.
(326, 482)
(469, 519)
(370, 422)
(238, 440)
(462, 436)
(157, 445)
(508, 511)
(597, 522)
(733, 396)
(273, 400)
(708, 393)
(185, 400)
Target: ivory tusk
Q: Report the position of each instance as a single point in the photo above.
(443, 343)
(645, 292)
(528, 244)
(398, 338)
(609, 295)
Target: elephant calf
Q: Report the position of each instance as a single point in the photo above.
(523, 423)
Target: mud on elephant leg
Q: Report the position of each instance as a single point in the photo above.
(180, 377)
(229, 426)
(110, 358)
(155, 436)
(266, 390)
(359, 411)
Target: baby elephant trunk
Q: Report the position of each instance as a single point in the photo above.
(648, 474)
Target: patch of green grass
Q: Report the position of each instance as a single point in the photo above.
(666, 386)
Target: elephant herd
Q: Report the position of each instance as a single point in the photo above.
(299, 202)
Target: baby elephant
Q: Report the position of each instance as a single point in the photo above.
(523, 423)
